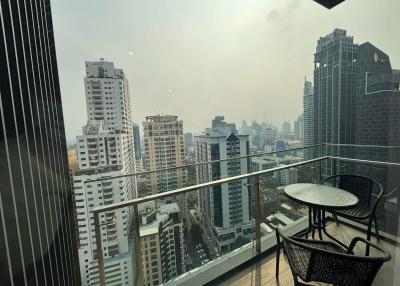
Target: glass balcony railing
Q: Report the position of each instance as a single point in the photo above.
(198, 221)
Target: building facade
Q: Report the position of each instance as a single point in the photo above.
(308, 111)
(356, 101)
(378, 122)
(37, 234)
(298, 127)
(225, 209)
(138, 148)
(164, 149)
(286, 128)
(188, 137)
(335, 62)
(105, 153)
(161, 236)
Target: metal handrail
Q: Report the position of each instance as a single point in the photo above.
(238, 158)
(185, 190)
(361, 145)
(134, 202)
(204, 163)
(228, 180)
(372, 162)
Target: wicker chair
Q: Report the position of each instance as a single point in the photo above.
(363, 189)
(328, 262)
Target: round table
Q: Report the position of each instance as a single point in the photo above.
(320, 198)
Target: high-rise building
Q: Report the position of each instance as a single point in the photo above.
(136, 140)
(335, 89)
(308, 106)
(378, 98)
(245, 129)
(164, 149)
(219, 121)
(105, 151)
(161, 236)
(138, 149)
(225, 209)
(286, 127)
(298, 127)
(107, 96)
(356, 101)
(378, 119)
(188, 137)
(37, 231)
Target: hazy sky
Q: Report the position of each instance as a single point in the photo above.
(245, 59)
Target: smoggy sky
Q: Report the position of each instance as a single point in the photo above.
(245, 59)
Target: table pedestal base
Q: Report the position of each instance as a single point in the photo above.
(317, 223)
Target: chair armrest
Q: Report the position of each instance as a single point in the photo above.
(392, 192)
(378, 196)
(386, 254)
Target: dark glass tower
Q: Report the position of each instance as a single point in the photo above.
(335, 88)
(37, 240)
(136, 141)
(378, 123)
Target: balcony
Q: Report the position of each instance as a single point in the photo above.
(240, 251)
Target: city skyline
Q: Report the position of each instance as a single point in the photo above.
(183, 142)
(173, 69)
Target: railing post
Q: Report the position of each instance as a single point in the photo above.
(100, 258)
(257, 214)
(333, 166)
(319, 172)
(138, 246)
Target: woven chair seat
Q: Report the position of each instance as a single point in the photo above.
(356, 212)
(328, 262)
(301, 257)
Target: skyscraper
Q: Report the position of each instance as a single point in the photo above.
(138, 149)
(188, 141)
(219, 121)
(164, 148)
(244, 129)
(105, 150)
(378, 118)
(286, 127)
(298, 127)
(136, 140)
(107, 96)
(356, 101)
(224, 209)
(335, 89)
(37, 234)
(378, 98)
(308, 111)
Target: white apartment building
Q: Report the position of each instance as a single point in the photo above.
(161, 236)
(107, 96)
(104, 151)
(164, 148)
(224, 209)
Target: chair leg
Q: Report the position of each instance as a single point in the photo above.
(368, 235)
(313, 223)
(278, 254)
(296, 280)
(376, 228)
(336, 219)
